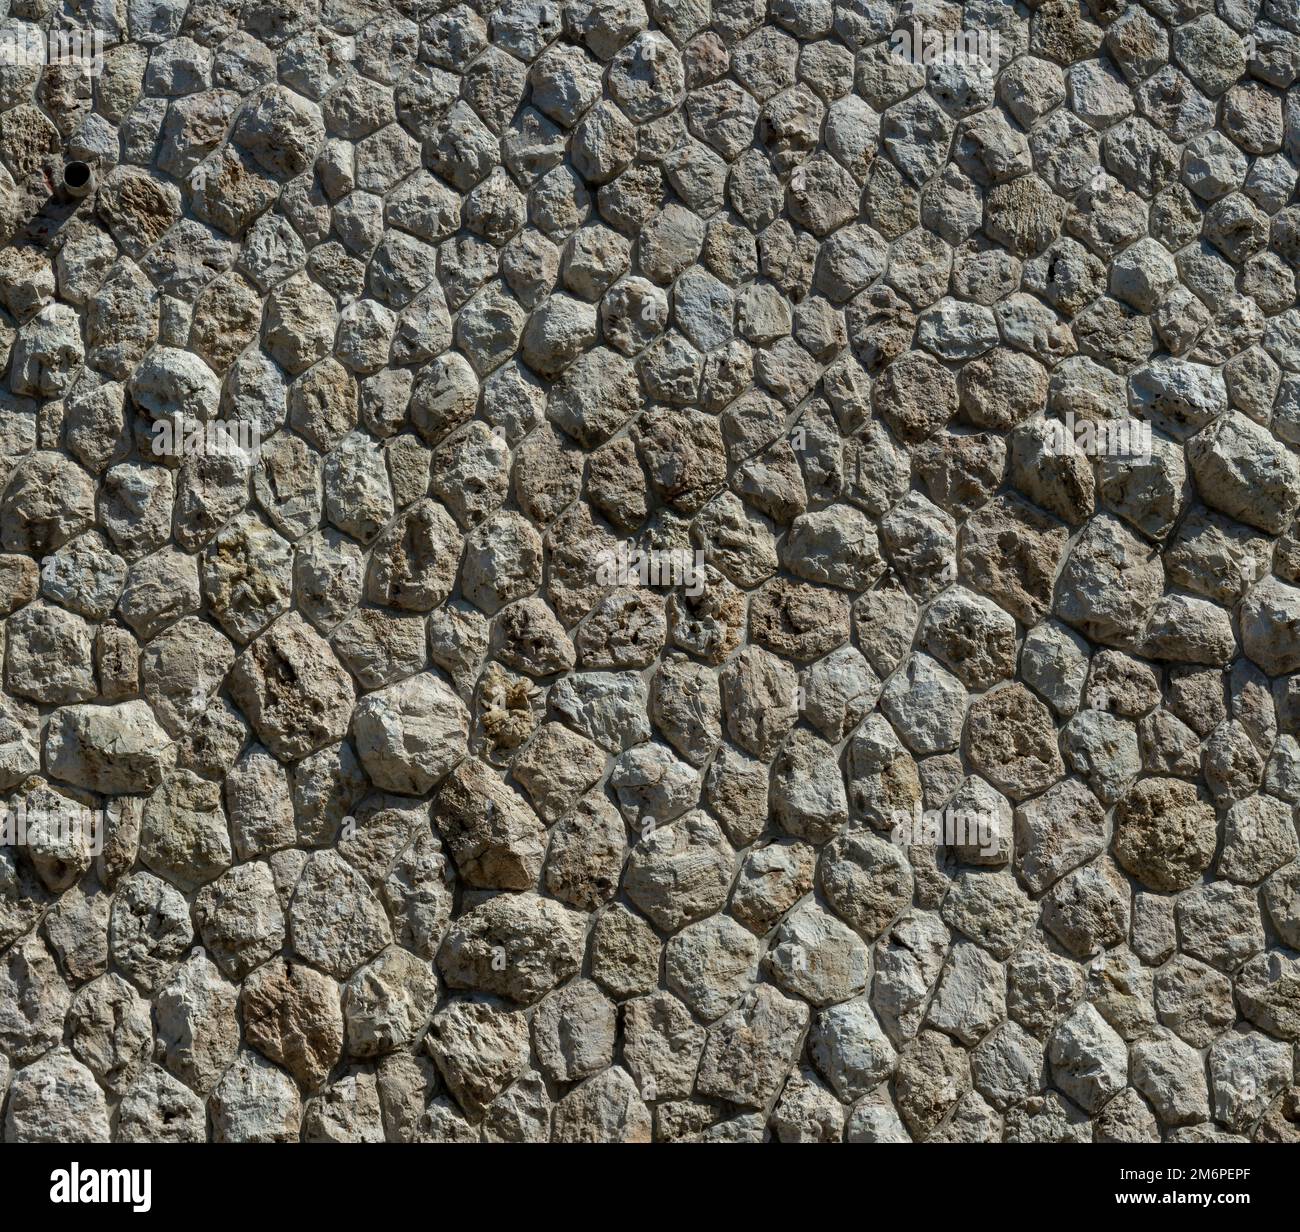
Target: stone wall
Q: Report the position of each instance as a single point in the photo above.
(623, 570)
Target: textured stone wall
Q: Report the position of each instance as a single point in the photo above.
(929, 775)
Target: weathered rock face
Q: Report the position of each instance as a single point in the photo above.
(410, 734)
(289, 683)
(1164, 835)
(335, 920)
(291, 1014)
(108, 749)
(631, 571)
(494, 837)
(515, 945)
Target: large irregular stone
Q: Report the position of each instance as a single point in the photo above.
(1009, 740)
(388, 1003)
(198, 1033)
(748, 1053)
(867, 881)
(293, 690)
(240, 919)
(114, 750)
(816, 957)
(56, 1100)
(35, 1000)
(160, 1108)
(291, 1014)
(1057, 831)
(1110, 582)
(606, 1108)
(1164, 835)
(573, 1032)
(480, 1048)
(410, 734)
(518, 946)
(335, 921)
(1172, 1076)
(149, 929)
(185, 834)
(1248, 474)
(255, 1102)
(1089, 1060)
(681, 872)
(494, 837)
(1268, 990)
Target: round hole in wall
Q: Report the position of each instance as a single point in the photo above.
(76, 175)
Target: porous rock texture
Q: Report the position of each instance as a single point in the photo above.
(424, 828)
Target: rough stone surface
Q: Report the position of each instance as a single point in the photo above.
(620, 571)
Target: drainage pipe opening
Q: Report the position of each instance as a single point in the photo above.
(78, 178)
